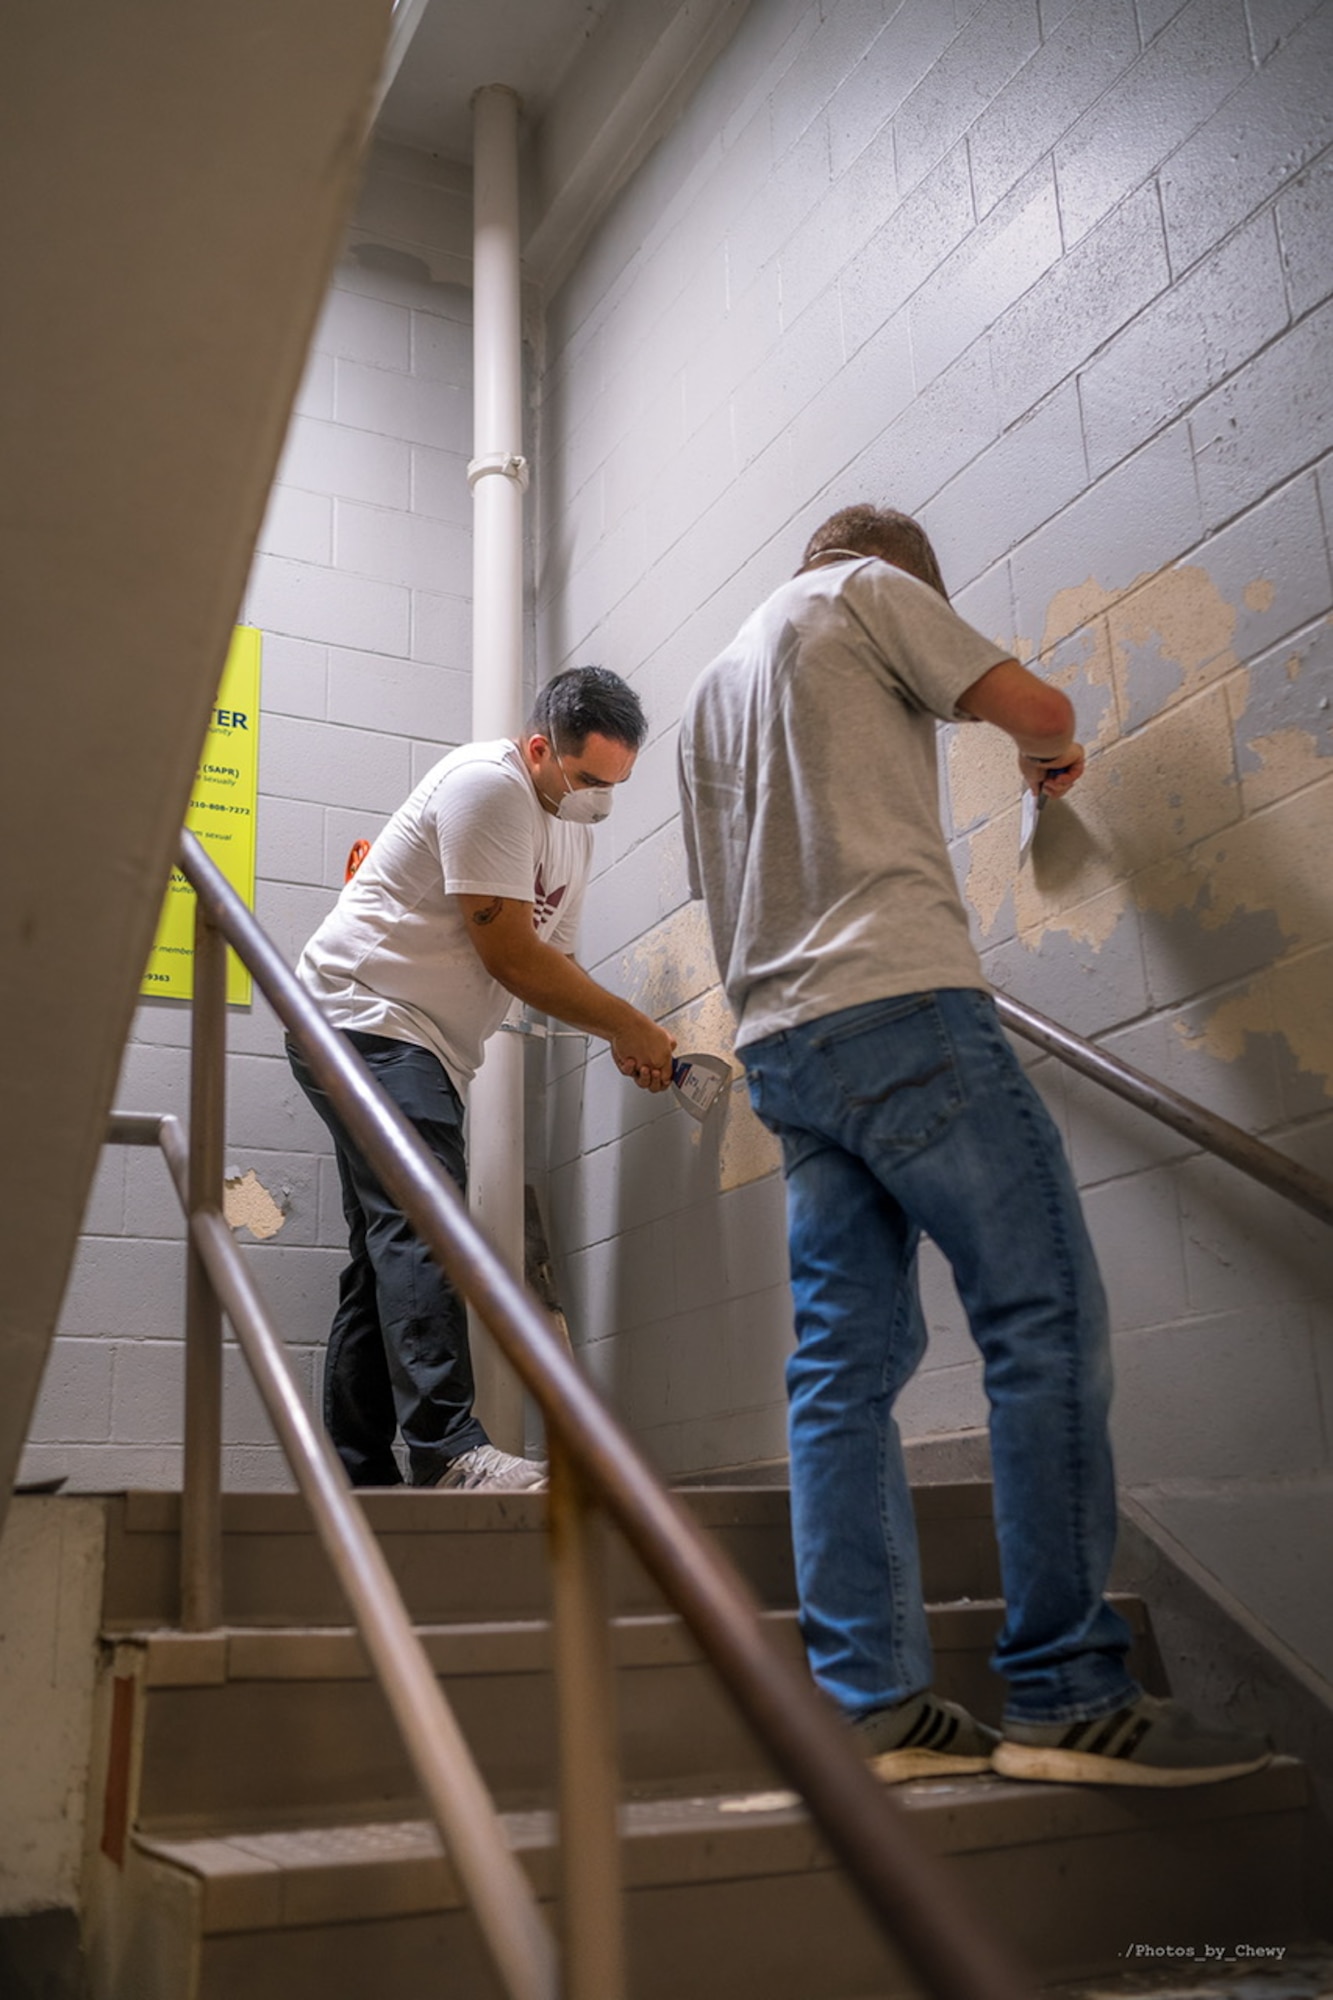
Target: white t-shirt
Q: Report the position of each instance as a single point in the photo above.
(810, 800)
(393, 957)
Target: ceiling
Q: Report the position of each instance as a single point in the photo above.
(459, 45)
(600, 82)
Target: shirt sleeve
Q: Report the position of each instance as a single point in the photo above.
(481, 820)
(929, 651)
(686, 790)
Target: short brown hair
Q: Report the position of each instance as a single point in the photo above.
(879, 531)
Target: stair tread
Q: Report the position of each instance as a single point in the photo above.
(348, 1871)
(335, 1652)
(428, 1510)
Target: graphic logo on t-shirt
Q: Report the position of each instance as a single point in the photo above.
(545, 902)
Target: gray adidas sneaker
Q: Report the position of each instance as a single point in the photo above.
(1151, 1742)
(487, 1469)
(924, 1737)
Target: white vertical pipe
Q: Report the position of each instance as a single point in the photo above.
(498, 476)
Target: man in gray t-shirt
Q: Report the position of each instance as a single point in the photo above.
(873, 1051)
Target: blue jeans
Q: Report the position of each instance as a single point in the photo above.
(398, 1356)
(902, 1116)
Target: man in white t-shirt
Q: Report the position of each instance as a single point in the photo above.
(468, 899)
(873, 1050)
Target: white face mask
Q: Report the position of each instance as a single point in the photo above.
(588, 806)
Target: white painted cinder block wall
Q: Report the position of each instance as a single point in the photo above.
(1053, 274)
(362, 588)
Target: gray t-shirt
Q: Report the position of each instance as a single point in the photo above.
(810, 798)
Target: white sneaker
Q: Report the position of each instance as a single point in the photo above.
(487, 1468)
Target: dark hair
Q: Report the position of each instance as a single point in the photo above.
(588, 701)
(879, 531)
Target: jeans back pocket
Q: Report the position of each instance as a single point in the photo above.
(890, 1067)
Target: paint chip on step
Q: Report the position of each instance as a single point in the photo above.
(247, 1204)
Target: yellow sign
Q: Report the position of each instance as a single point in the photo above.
(222, 816)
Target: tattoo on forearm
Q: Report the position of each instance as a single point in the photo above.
(490, 913)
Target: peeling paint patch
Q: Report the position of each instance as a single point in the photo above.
(1171, 634)
(672, 873)
(671, 973)
(1084, 661)
(1288, 760)
(992, 858)
(1142, 805)
(1208, 795)
(1143, 650)
(983, 775)
(1289, 1002)
(705, 1023)
(1284, 723)
(1277, 861)
(247, 1204)
(1093, 922)
(749, 1150)
(670, 966)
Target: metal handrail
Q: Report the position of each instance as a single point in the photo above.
(906, 1890)
(456, 1794)
(1205, 1128)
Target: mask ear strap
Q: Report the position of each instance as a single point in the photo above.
(843, 555)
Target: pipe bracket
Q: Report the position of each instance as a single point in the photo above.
(508, 463)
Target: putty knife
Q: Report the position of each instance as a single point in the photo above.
(1033, 805)
(698, 1082)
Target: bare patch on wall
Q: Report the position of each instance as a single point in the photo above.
(671, 973)
(671, 965)
(1208, 796)
(247, 1204)
(1290, 999)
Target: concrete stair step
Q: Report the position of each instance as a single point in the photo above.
(272, 1723)
(471, 1557)
(729, 1894)
(1243, 1971)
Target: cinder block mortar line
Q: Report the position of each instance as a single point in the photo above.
(1093, 353)
(1185, 410)
(1123, 1176)
(1211, 534)
(615, 298)
(1268, 205)
(1324, 521)
(1288, 958)
(549, 595)
(1176, 417)
(694, 610)
(903, 305)
(1278, 1134)
(1179, 706)
(1294, 791)
(1222, 522)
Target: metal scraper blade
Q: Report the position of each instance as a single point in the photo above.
(698, 1081)
(1033, 806)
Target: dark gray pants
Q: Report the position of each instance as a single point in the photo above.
(398, 1357)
